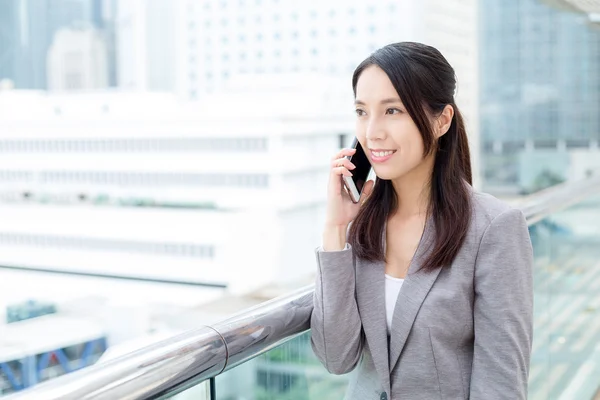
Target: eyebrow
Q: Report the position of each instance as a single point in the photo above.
(384, 101)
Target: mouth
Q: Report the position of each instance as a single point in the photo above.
(380, 155)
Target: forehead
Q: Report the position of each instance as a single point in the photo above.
(373, 85)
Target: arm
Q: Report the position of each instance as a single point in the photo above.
(503, 310)
(336, 328)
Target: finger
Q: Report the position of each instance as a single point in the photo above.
(342, 162)
(343, 153)
(341, 171)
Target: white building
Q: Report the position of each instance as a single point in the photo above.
(217, 40)
(246, 173)
(77, 60)
(194, 47)
(145, 41)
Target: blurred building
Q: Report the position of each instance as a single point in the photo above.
(219, 40)
(540, 91)
(27, 29)
(145, 41)
(39, 349)
(78, 60)
(591, 8)
(139, 185)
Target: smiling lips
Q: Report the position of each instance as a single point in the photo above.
(379, 155)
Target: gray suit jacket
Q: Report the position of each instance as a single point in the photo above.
(461, 332)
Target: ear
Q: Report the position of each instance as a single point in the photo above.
(444, 120)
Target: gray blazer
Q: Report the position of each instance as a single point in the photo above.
(461, 332)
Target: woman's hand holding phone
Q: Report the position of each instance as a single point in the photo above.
(341, 210)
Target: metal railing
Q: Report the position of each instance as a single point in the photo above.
(176, 364)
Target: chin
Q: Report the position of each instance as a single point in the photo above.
(386, 175)
(399, 170)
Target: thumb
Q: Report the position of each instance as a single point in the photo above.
(368, 189)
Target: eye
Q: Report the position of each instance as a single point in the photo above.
(360, 112)
(393, 111)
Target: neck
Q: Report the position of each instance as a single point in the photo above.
(413, 190)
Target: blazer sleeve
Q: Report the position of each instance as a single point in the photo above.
(503, 310)
(336, 328)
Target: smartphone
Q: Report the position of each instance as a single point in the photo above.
(357, 181)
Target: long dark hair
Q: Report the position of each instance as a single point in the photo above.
(426, 83)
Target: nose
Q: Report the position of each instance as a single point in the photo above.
(375, 130)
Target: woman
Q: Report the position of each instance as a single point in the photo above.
(429, 289)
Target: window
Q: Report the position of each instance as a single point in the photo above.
(94, 244)
(73, 81)
(126, 144)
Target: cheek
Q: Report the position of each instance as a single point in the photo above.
(360, 129)
(410, 143)
(406, 135)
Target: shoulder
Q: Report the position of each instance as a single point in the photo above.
(488, 210)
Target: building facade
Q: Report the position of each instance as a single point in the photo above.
(540, 90)
(218, 40)
(78, 60)
(143, 186)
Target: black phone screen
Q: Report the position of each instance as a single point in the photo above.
(363, 166)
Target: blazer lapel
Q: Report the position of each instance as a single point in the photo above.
(371, 301)
(412, 294)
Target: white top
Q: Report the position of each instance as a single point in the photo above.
(392, 288)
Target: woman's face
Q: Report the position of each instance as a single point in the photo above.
(384, 128)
